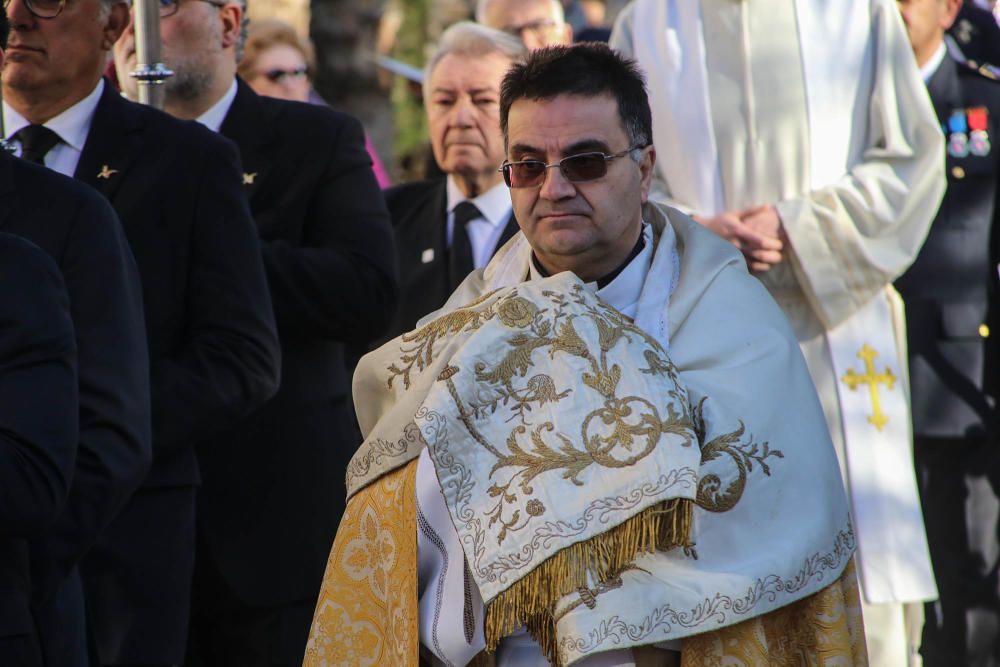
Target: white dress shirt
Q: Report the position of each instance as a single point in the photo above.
(931, 66)
(212, 119)
(72, 126)
(484, 231)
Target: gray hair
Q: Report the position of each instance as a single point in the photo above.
(558, 14)
(472, 40)
(244, 29)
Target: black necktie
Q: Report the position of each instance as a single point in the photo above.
(36, 141)
(460, 258)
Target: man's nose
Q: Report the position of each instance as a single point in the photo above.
(18, 14)
(556, 186)
(462, 114)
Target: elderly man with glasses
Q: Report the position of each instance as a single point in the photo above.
(606, 442)
(272, 493)
(537, 23)
(210, 333)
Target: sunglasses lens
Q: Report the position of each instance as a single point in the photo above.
(586, 167)
(526, 174)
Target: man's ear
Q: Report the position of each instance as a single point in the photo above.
(646, 165)
(118, 20)
(951, 11)
(232, 23)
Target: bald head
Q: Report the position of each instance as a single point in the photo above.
(537, 23)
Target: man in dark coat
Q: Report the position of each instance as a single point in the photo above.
(977, 34)
(273, 488)
(212, 343)
(949, 292)
(39, 417)
(445, 228)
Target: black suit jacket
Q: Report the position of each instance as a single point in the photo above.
(39, 416)
(419, 222)
(80, 231)
(949, 289)
(178, 190)
(977, 34)
(273, 487)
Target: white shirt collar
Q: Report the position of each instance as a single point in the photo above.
(931, 66)
(623, 292)
(494, 204)
(72, 125)
(212, 119)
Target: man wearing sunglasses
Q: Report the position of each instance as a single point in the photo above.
(211, 340)
(272, 492)
(480, 408)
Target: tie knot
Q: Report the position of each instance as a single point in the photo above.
(466, 211)
(36, 141)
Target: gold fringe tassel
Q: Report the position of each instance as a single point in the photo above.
(531, 600)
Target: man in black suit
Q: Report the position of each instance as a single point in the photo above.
(949, 292)
(39, 419)
(212, 342)
(80, 231)
(447, 227)
(273, 489)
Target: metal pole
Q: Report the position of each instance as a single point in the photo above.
(150, 73)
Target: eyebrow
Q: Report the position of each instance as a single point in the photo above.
(581, 146)
(473, 92)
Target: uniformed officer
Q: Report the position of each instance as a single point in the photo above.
(948, 292)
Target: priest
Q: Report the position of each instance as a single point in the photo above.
(802, 133)
(605, 449)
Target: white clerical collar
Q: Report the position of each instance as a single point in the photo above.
(212, 119)
(623, 292)
(494, 204)
(931, 66)
(72, 125)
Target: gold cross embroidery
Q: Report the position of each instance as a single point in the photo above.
(248, 178)
(106, 172)
(872, 379)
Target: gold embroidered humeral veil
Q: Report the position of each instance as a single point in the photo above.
(603, 498)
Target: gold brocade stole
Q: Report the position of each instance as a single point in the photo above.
(367, 609)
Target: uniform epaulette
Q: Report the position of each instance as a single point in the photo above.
(987, 70)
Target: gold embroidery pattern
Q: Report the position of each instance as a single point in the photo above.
(367, 610)
(711, 496)
(375, 452)
(718, 610)
(853, 380)
(824, 629)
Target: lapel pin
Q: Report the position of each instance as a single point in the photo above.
(427, 256)
(248, 178)
(106, 172)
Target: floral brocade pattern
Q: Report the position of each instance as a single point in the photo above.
(367, 609)
(822, 630)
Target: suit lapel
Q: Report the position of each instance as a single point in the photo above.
(508, 232)
(250, 125)
(113, 142)
(944, 89)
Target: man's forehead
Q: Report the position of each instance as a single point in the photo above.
(515, 12)
(564, 121)
(456, 72)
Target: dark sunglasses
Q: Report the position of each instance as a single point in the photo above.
(278, 75)
(575, 168)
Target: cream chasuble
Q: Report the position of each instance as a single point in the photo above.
(843, 141)
(611, 483)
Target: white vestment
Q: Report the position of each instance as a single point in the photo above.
(736, 356)
(818, 109)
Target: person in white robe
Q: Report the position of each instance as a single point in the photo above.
(801, 132)
(529, 491)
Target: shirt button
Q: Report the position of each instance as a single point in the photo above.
(958, 172)
(984, 331)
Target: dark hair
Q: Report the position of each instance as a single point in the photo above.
(589, 69)
(4, 27)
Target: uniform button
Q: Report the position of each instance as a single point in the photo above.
(958, 172)
(984, 331)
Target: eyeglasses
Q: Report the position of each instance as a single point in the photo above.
(539, 29)
(167, 7)
(43, 9)
(575, 168)
(278, 75)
